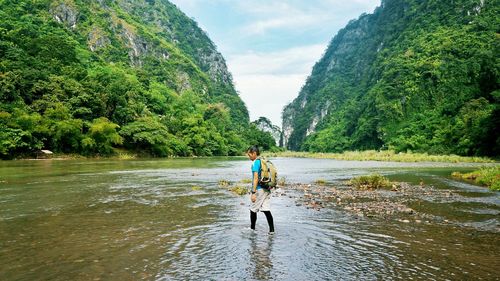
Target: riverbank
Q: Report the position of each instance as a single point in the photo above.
(386, 155)
(118, 154)
(368, 155)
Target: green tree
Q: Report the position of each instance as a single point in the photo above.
(101, 137)
(151, 135)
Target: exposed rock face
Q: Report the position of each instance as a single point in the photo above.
(288, 114)
(196, 43)
(183, 83)
(97, 39)
(312, 126)
(65, 12)
(216, 66)
(137, 45)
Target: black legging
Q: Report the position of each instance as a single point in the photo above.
(269, 217)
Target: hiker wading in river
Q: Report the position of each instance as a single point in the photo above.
(260, 196)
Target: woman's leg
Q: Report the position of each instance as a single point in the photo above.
(253, 219)
(269, 218)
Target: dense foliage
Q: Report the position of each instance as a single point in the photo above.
(87, 76)
(413, 76)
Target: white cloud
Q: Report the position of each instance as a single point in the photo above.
(288, 14)
(296, 60)
(269, 81)
(287, 22)
(267, 95)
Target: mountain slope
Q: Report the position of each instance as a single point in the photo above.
(84, 76)
(414, 75)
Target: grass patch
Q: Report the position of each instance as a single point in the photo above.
(385, 155)
(246, 181)
(320, 182)
(67, 156)
(125, 156)
(281, 181)
(373, 181)
(224, 183)
(196, 187)
(489, 177)
(240, 190)
(237, 189)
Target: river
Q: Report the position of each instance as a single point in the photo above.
(167, 219)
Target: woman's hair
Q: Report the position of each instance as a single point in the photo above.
(253, 148)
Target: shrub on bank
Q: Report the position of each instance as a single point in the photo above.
(489, 177)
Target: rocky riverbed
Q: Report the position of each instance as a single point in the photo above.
(402, 202)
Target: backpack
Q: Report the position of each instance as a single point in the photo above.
(268, 174)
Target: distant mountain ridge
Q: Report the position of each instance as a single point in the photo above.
(412, 76)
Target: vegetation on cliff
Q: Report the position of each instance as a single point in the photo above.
(418, 76)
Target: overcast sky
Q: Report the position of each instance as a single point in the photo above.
(271, 46)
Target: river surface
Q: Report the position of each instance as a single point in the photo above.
(169, 220)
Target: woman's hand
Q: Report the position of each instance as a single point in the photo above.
(253, 197)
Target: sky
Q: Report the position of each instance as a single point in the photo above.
(270, 47)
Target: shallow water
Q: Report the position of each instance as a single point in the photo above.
(169, 220)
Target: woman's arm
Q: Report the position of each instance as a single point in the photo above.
(255, 182)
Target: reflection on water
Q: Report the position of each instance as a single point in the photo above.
(142, 220)
(260, 265)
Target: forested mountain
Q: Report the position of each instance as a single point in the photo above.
(265, 125)
(416, 75)
(84, 76)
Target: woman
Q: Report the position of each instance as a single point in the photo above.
(260, 196)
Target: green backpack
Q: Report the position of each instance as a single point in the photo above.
(268, 174)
